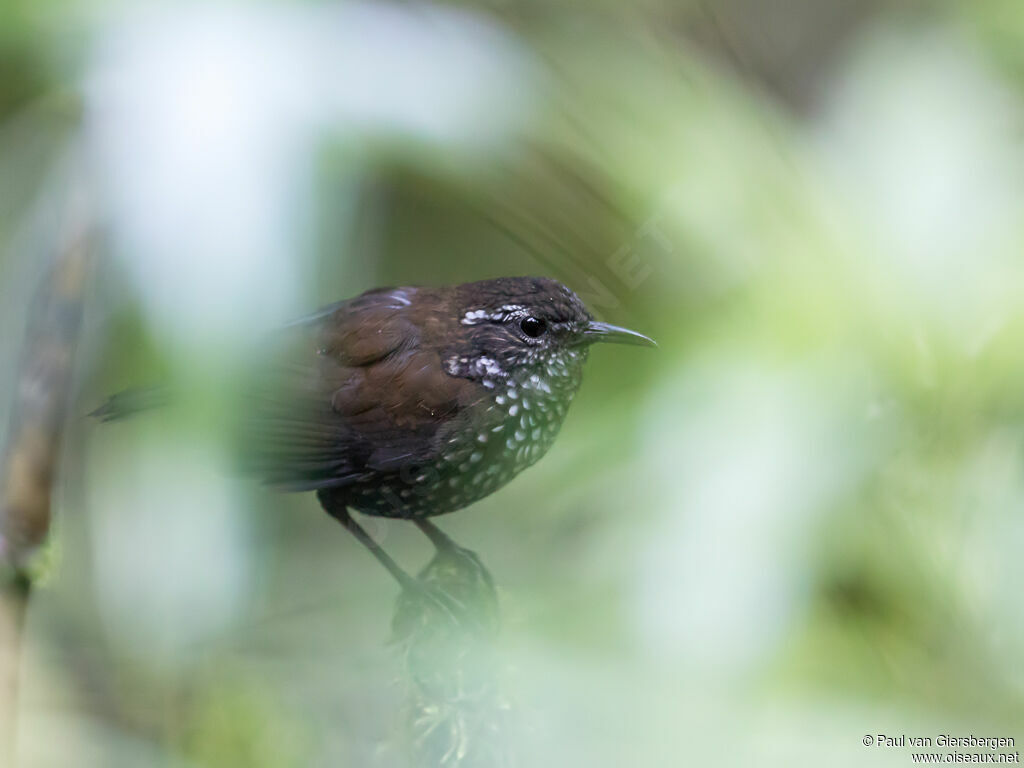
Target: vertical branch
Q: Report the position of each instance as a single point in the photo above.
(30, 453)
(13, 603)
(458, 716)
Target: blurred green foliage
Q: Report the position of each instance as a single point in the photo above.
(796, 523)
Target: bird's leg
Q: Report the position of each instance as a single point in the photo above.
(438, 538)
(339, 511)
(461, 579)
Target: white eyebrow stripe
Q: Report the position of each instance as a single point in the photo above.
(475, 316)
(502, 313)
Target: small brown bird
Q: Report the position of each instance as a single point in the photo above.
(414, 402)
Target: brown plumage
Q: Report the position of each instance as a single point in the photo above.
(411, 402)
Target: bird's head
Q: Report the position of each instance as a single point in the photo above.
(527, 329)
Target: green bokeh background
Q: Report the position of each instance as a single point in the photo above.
(799, 521)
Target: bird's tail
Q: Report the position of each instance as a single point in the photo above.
(129, 402)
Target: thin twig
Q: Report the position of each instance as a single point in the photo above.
(29, 457)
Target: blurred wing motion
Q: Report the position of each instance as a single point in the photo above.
(332, 405)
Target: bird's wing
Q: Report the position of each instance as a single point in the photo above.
(356, 392)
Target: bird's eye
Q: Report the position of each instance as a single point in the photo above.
(533, 327)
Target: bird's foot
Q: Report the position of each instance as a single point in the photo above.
(431, 602)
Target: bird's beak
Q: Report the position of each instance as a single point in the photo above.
(596, 331)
